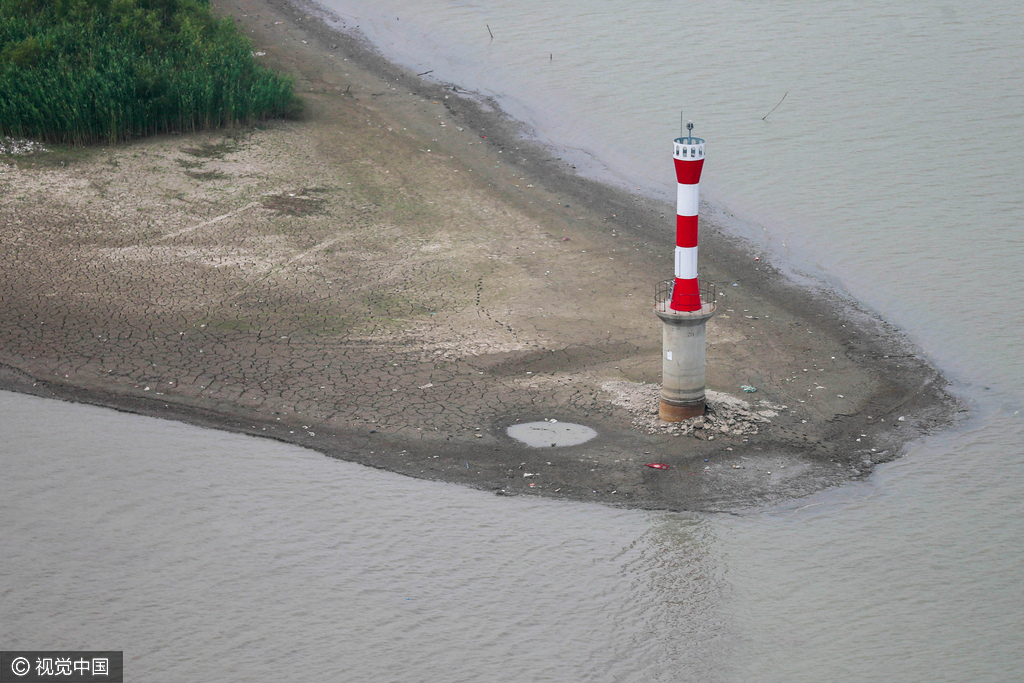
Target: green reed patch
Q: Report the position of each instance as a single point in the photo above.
(82, 71)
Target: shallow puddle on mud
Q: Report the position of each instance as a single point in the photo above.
(541, 434)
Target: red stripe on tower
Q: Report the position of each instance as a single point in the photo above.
(688, 153)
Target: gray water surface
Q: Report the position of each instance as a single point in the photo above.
(210, 556)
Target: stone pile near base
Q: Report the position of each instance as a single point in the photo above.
(726, 414)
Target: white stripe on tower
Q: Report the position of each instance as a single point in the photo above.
(689, 161)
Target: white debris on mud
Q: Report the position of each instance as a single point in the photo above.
(19, 146)
(726, 415)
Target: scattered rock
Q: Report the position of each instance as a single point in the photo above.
(727, 414)
(20, 146)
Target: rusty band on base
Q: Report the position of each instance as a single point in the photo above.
(671, 412)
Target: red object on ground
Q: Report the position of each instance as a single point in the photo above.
(657, 465)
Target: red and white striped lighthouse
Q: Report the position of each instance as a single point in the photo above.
(688, 155)
(685, 312)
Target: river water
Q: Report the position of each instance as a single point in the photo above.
(890, 171)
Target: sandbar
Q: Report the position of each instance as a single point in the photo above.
(401, 274)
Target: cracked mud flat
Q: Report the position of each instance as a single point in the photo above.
(383, 284)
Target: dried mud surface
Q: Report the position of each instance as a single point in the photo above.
(399, 276)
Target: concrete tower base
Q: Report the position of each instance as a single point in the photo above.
(683, 361)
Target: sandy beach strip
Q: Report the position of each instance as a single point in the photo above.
(398, 276)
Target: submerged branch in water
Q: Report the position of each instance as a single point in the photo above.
(775, 107)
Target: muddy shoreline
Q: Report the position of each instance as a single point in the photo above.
(401, 275)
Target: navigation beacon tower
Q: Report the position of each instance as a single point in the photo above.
(683, 305)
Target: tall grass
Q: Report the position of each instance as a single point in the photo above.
(81, 71)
